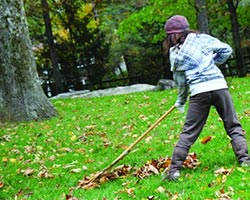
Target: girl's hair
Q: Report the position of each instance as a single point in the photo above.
(174, 39)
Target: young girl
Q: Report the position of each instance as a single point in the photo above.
(194, 58)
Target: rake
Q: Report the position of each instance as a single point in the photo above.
(125, 152)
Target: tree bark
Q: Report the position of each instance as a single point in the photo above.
(201, 13)
(21, 95)
(236, 37)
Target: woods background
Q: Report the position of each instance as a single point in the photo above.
(104, 43)
(49, 47)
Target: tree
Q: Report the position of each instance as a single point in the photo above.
(202, 19)
(21, 95)
(56, 74)
(236, 36)
(142, 34)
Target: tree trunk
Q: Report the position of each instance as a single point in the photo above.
(21, 95)
(236, 37)
(201, 13)
(56, 75)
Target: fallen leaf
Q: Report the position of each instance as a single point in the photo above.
(52, 158)
(174, 197)
(45, 174)
(160, 189)
(191, 161)
(75, 170)
(29, 149)
(70, 165)
(150, 168)
(143, 117)
(153, 169)
(1, 184)
(148, 139)
(129, 191)
(65, 149)
(73, 138)
(70, 197)
(205, 140)
(12, 160)
(222, 195)
(28, 172)
(223, 171)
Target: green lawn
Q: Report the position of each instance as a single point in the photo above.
(43, 160)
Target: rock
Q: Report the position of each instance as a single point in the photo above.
(165, 84)
(70, 94)
(118, 90)
(107, 92)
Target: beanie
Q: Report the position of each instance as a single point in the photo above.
(176, 24)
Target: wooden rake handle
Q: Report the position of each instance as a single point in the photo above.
(125, 152)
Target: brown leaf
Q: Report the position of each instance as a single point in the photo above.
(223, 171)
(29, 149)
(153, 169)
(28, 172)
(1, 185)
(87, 183)
(247, 112)
(191, 161)
(129, 191)
(205, 140)
(150, 168)
(52, 158)
(222, 195)
(45, 174)
(70, 197)
(65, 149)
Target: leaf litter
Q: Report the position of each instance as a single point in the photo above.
(152, 167)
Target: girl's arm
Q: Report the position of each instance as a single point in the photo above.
(182, 87)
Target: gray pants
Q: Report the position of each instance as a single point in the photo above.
(197, 115)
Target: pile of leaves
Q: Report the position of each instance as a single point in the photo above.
(152, 167)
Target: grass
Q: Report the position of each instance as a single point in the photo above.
(43, 160)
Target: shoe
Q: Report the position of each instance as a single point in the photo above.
(172, 176)
(245, 163)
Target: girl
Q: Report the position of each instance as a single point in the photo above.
(194, 58)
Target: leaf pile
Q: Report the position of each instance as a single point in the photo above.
(152, 167)
(90, 182)
(162, 165)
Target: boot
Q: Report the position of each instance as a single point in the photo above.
(172, 176)
(241, 151)
(245, 163)
(178, 158)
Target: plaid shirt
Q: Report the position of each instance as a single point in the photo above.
(197, 59)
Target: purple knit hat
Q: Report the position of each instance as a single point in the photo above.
(176, 24)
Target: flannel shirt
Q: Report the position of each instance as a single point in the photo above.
(194, 65)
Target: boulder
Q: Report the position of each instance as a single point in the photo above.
(107, 92)
(165, 84)
(118, 90)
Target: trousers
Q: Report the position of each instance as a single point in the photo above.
(197, 114)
